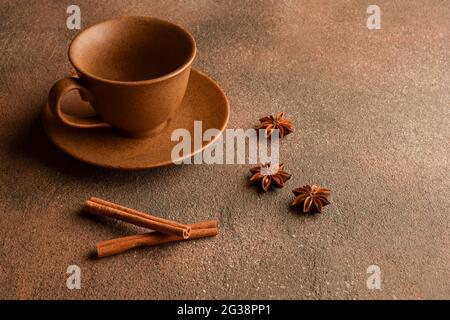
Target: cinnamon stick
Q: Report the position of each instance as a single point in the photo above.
(137, 213)
(114, 246)
(107, 209)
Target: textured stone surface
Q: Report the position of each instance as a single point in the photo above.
(372, 115)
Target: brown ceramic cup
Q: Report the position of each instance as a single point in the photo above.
(133, 71)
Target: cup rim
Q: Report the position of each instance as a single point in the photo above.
(135, 82)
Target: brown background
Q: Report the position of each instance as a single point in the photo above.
(371, 110)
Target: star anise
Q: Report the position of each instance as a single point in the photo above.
(311, 198)
(278, 121)
(269, 174)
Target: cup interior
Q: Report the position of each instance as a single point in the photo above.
(132, 49)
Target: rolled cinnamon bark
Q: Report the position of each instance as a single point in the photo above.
(137, 218)
(119, 245)
(137, 213)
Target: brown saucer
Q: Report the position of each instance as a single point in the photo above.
(104, 147)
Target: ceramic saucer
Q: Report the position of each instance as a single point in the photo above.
(204, 100)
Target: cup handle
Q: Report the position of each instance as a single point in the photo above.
(55, 96)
